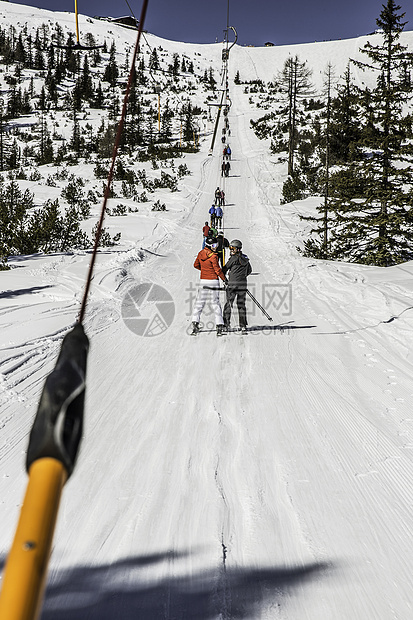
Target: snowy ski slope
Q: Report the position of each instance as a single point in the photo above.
(260, 476)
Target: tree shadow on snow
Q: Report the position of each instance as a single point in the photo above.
(23, 291)
(22, 258)
(118, 591)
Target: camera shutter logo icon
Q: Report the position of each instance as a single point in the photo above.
(148, 309)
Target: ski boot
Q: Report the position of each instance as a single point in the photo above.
(220, 330)
(195, 328)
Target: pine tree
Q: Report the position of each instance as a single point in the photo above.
(99, 99)
(2, 135)
(328, 86)
(295, 84)
(26, 106)
(86, 81)
(71, 63)
(46, 146)
(175, 65)
(13, 156)
(132, 134)
(42, 99)
(50, 83)
(111, 73)
(51, 59)
(29, 58)
(154, 60)
(188, 124)
(106, 141)
(345, 122)
(166, 124)
(140, 77)
(13, 102)
(151, 118)
(374, 224)
(58, 34)
(39, 60)
(212, 81)
(20, 53)
(14, 207)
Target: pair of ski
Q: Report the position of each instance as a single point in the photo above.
(243, 331)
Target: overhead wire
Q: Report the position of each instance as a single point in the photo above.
(54, 442)
(112, 167)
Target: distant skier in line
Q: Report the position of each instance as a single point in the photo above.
(222, 244)
(205, 232)
(227, 168)
(222, 198)
(228, 152)
(218, 196)
(239, 269)
(211, 274)
(213, 232)
(212, 215)
(223, 169)
(218, 216)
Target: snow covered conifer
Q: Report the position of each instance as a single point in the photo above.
(294, 80)
(345, 121)
(111, 73)
(372, 196)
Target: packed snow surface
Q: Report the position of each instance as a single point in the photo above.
(259, 476)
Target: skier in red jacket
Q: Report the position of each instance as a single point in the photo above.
(211, 273)
(205, 232)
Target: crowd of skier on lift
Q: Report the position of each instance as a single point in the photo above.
(211, 262)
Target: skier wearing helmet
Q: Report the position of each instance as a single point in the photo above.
(239, 269)
(211, 273)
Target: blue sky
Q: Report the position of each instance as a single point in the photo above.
(256, 21)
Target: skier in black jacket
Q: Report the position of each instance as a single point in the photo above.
(239, 269)
(222, 244)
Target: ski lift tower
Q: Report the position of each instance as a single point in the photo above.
(225, 101)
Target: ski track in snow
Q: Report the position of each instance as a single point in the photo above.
(266, 476)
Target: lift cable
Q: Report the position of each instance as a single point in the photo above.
(53, 445)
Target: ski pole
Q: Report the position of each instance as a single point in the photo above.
(259, 305)
(53, 447)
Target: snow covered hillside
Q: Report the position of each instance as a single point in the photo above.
(260, 476)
